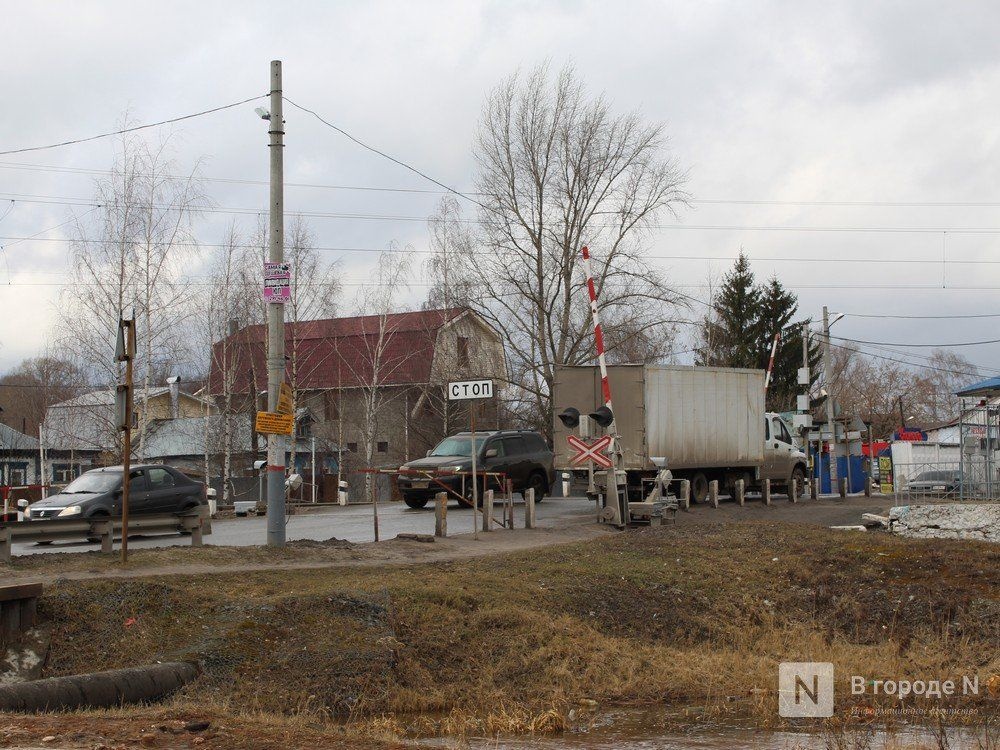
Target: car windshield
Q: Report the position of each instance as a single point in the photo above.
(93, 483)
(457, 446)
(937, 476)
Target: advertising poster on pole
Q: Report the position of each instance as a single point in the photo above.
(277, 282)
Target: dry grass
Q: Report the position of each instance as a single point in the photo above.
(685, 616)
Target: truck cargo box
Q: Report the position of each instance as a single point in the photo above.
(694, 417)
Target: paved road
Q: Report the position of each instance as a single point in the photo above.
(353, 523)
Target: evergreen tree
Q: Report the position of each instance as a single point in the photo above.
(740, 329)
(732, 329)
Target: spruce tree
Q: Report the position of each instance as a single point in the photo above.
(740, 329)
(732, 329)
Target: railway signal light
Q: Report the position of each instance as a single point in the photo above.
(570, 417)
(603, 416)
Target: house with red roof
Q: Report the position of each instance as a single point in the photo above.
(369, 387)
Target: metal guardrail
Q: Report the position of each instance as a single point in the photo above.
(196, 524)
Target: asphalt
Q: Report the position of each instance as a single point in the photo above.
(355, 523)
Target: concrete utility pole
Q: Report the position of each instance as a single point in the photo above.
(828, 377)
(276, 318)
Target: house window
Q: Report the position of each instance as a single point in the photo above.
(64, 473)
(15, 475)
(463, 351)
(352, 447)
(382, 446)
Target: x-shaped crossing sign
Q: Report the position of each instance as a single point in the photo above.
(591, 451)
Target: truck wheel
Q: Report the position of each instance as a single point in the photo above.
(699, 488)
(415, 502)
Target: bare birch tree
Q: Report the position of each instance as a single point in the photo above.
(373, 363)
(130, 260)
(557, 170)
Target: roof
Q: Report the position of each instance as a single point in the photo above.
(106, 397)
(989, 387)
(339, 352)
(12, 440)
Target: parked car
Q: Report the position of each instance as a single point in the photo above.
(98, 492)
(940, 482)
(522, 455)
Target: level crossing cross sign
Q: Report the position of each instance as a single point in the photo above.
(591, 451)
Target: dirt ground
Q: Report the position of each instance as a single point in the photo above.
(373, 646)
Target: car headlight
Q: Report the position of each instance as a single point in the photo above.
(70, 510)
(457, 468)
(939, 487)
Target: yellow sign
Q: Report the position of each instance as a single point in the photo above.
(285, 405)
(272, 423)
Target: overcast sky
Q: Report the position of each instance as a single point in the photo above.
(764, 101)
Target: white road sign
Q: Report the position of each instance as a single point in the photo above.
(470, 389)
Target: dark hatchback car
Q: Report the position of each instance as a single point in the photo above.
(152, 489)
(522, 455)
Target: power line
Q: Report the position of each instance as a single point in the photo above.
(74, 201)
(652, 256)
(129, 130)
(448, 191)
(384, 155)
(932, 346)
(921, 317)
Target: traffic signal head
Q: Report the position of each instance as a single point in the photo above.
(603, 416)
(570, 417)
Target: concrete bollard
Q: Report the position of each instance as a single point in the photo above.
(814, 488)
(529, 508)
(794, 489)
(868, 486)
(441, 514)
(488, 511)
(765, 493)
(713, 493)
(741, 491)
(843, 486)
(685, 498)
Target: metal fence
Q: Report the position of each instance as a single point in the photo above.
(972, 478)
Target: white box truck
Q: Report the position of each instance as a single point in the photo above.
(702, 423)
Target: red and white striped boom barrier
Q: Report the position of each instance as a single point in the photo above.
(770, 362)
(598, 333)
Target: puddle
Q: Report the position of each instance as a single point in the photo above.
(652, 730)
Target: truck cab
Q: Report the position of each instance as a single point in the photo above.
(783, 461)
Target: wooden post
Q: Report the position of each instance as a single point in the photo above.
(5, 545)
(510, 504)
(529, 508)
(441, 514)
(843, 486)
(713, 493)
(487, 510)
(685, 499)
(740, 491)
(794, 486)
(766, 492)
(814, 488)
(868, 486)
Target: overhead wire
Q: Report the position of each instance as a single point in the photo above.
(132, 129)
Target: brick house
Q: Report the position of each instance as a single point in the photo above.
(373, 385)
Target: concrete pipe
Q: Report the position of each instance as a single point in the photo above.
(98, 690)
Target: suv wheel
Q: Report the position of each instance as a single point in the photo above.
(538, 483)
(415, 502)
